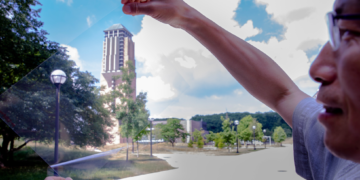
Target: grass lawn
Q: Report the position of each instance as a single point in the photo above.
(28, 165)
(166, 148)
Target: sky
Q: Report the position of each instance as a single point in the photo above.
(181, 77)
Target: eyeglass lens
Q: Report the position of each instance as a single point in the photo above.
(334, 33)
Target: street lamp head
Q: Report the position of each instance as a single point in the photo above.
(264, 130)
(236, 122)
(58, 77)
(254, 127)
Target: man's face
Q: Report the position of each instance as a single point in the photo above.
(339, 74)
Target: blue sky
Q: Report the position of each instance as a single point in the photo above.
(181, 77)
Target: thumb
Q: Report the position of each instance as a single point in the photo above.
(137, 8)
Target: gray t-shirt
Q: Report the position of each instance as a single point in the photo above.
(312, 159)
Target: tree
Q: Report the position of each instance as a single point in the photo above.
(200, 142)
(244, 131)
(129, 110)
(244, 123)
(210, 137)
(140, 123)
(23, 46)
(190, 144)
(279, 135)
(197, 134)
(246, 135)
(228, 134)
(83, 119)
(269, 120)
(172, 130)
(183, 139)
(220, 143)
(258, 131)
(219, 140)
(157, 131)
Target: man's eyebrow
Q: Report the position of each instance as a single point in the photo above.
(338, 10)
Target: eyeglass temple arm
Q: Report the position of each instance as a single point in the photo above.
(349, 17)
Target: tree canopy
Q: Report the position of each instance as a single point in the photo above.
(279, 135)
(269, 120)
(29, 106)
(172, 130)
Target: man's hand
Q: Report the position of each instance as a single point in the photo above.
(57, 178)
(172, 12)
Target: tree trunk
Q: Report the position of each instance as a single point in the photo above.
(4, 151)
(127, 149)
(132, 143)
(11, 152)
(137, 148)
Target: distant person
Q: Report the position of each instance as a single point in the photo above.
(327, 132)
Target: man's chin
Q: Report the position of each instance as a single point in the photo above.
(342, 148)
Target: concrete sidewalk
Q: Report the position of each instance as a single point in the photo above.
(273, 163)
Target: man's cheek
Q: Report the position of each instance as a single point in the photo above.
(349, 73)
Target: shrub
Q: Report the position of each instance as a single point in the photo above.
(190, 144)
(200, 142)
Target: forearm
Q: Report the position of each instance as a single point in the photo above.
(258, 73)
(253, 69)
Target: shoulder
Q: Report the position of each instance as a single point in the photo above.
(308, 139)
(305, 118)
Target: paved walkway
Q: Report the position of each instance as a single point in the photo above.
(273, 163)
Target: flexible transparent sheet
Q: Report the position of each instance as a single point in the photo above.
(28, 108)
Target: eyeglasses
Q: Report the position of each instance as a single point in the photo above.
(333, 28)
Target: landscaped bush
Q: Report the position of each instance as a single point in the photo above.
(190, 144)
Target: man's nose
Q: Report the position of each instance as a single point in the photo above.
(323, 69)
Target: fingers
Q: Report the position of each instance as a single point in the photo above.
(137, 8)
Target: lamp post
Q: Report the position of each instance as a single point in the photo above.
(265, 140)
(237, 140)
(150, 137)
(254, 127)
(57, 77)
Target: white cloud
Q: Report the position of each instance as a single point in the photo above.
(90, 20)
(187, 106)
(238, 92)
(186, 62)
(156, 89)
(307, 85)
(73, 55)
(68, 2)
(215, 97)
(180, 65)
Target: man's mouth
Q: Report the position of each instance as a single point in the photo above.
(333, 110)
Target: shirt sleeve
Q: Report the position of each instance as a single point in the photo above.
(307, 132)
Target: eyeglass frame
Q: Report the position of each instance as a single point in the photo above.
(334, 30)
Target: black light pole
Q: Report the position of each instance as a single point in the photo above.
(237, 138)
(266, 138)
(151, 139)
(254, 127)
(57, 77)
(57, 123)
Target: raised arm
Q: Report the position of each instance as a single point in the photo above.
(253, 69)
